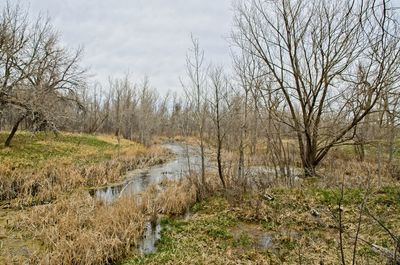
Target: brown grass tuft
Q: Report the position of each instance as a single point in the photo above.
(177, 197)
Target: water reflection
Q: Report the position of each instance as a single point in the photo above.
(265, 241)
(151, 235)
(137, 181)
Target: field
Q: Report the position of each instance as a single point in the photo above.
(36, 150)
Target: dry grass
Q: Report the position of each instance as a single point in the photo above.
(299, 235)
(55, 176)
(78, 229)
(342, 165)
(54, 173)
(177, 197)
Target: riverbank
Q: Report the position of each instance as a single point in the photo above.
(39, 168)
(44, 197)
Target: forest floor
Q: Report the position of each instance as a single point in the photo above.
(299, 226)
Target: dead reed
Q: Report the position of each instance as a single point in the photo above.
(81, 230)
(42, 185)
(78, 229)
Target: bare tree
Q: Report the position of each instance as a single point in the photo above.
(389, 121)
(196, 92)
(250, 82)
(219, 105)
(96, 111)
(324, 58)
(244, 69)
(147, 113)
(37, 73)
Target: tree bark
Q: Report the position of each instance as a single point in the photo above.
(219, 162)
(13, 131)
(309, 160)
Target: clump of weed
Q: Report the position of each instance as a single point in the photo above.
(177, 197)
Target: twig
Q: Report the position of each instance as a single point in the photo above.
(341, 225)
(362, 206)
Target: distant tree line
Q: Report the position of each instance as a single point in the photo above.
(308, 76)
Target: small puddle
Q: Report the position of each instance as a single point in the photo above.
(259, 239)
(151, 235)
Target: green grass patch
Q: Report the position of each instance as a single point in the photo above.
(34, 150)
(332, 196)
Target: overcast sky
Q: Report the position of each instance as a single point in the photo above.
(142, 37)
(145, 37)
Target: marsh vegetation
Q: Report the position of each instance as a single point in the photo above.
(291, 157)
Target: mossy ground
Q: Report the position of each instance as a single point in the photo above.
(224, 232)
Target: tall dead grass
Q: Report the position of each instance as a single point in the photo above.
(82, 230)
(39, 186)
(177, 197)
(337, 168)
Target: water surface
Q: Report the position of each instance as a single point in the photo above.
(186, 159)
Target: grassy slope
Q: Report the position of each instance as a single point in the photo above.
(223, 233)
(35, 150)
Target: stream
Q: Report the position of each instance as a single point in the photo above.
(139, 180)
(186, 158)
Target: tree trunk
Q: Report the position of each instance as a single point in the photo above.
(203, 167)
(360, 150)
(309, 162)
(219, 162)
(202, 148)
(13, 131)
(309, 171)
(241, 160)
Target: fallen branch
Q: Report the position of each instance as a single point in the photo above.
(393, 259)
